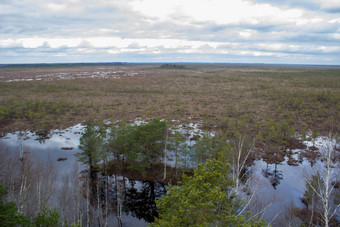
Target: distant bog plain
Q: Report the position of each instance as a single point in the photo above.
(274, 125)
(220, 96)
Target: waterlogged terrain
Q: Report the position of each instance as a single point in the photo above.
(275, 184)
(274, 124)
(59, 96)
(283, 183)
(70, 73)
(59, 147)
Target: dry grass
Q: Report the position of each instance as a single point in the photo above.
(208, 93)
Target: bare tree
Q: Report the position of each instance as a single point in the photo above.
(239, 170)
(164, 158)
(322, 187)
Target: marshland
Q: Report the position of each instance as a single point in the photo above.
(124, 144)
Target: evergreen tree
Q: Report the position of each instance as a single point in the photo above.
(208, 146)
(9, 215)
(205, 199)
(47, 217)
(177, 144)
(119, 142)
(148, 143)
(91, 142)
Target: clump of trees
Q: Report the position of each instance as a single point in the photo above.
(138, 146)
(141, 146)
(204, 199)
(172, 66)
(147, 143)
(10, 214)
(209, 195)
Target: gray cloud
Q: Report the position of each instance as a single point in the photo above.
(75, 31)
(313, 5)
(333, 10)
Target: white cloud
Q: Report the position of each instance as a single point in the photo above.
(336, 20)
(100, 42)
(30, 42)
(34, 42)
(246, 34)
(170, 29)
(56, 7)
(64, 42)
(218, 11)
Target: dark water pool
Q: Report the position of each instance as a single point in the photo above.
(276, 184)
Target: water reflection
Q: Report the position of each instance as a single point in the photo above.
(127, 199)
(141, 201)
(122, 197)
(274, 176)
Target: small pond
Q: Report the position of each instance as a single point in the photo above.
(278, 184)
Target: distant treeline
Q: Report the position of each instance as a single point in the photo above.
(63, 64)
(172, 66)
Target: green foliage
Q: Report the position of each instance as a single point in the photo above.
(240, 125)
(313, 108)
(78, 224)
(9, 215)
(310, 194)
(41, 113)
(141, 145)
(314, 135)
(278, 132)
(119, 141)
(4, 112)
(208, 146)
(309, 95)
(258, 130)
(177, 144)
(47, 217)
(205, 199)
(176, 141)
(148, 142)
(92, 144)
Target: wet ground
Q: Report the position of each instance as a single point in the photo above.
(278, 184)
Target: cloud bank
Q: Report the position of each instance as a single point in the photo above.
(249, 31)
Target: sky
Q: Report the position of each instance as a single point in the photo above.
(223, 31)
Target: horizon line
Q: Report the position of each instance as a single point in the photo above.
(165, 62)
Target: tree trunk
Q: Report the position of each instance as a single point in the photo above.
(88, 203)
(164, 159)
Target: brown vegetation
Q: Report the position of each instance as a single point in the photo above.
(304, 214)
(67, 148)
(153, 174)
(224, 96)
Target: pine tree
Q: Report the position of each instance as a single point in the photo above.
(91, 143)
(9, 215)
(147, 144)
(205, 199)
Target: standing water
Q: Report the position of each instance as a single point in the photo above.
(131, 201)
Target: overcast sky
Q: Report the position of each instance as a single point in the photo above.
(243, 31)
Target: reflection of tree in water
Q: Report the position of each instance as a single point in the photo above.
(274, 176)
(131, 197)
(312, 155)
(42, 136)
(141, 201)
(273, 156)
